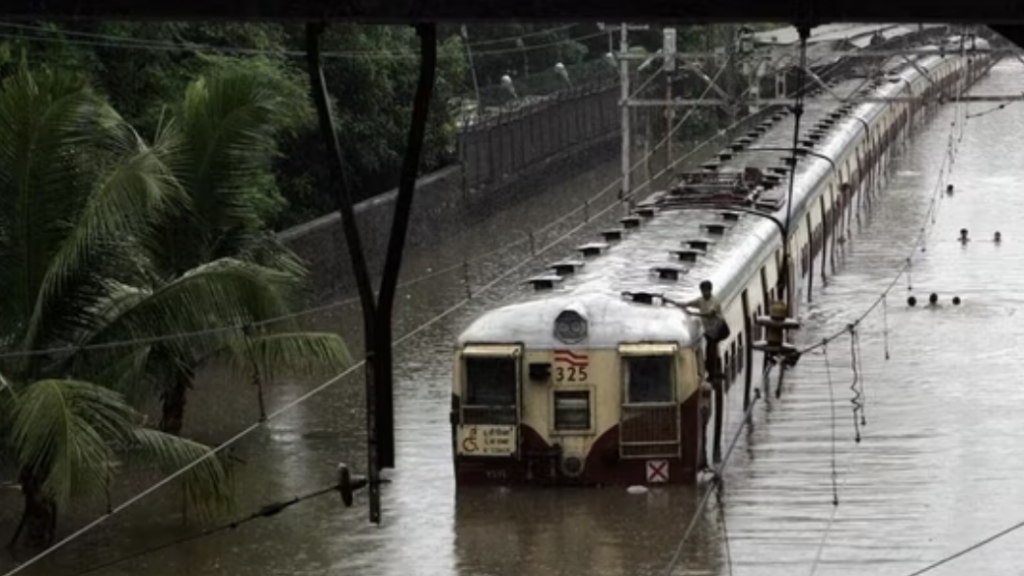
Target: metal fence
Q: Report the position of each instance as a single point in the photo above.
(514, 139)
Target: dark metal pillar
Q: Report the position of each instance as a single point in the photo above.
(376, 310)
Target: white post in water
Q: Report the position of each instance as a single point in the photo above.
(624, 102)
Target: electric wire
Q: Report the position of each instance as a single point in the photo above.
(725, 530)
(264, 512)
(969, 549)
(513, 38)
(69, 349)
(916, 245)
(798, 111)
(125, 42)
(857, 368)
(715, 484)
(311, 393)
(338, 377)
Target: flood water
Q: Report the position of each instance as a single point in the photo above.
(938, 466)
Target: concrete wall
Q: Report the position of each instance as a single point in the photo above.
(507, 159)
(442, 204)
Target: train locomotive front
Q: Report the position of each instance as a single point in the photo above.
(579, 389)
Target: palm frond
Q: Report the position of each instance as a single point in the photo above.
(265, 249)
(8, 398)
(63, 431)
(126, 371)
(291, 354)
(227, 122)
(200, 306)
(207, 484)
(48, 120)
(124, 204)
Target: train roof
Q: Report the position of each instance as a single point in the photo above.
(726, 251)
(610, 320)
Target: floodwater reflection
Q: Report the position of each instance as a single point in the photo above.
(607, 532)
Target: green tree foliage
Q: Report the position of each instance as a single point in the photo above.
(75, 181)
(372, 72)
(105, 239)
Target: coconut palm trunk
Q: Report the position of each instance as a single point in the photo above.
(174, 399)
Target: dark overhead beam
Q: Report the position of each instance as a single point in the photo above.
(406, 11)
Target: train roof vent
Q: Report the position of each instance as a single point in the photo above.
(803, 151)
(745, 140)
(715, 228)
(613, 234)
(544, 282)
(780, 170)
(753, 134)
(815, 136)
(730, 216)
(646, 211)
(838, 114)
(668, 272)
(737, 146)
(789, 161)
(566, 267)
(641, 297)
(592, 249)
(699, 244)
(686, 255)
(630, 222)
(807, 142)
(777, 117)
(710, 166)
(827, 123)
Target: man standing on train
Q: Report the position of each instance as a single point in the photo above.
(716, 330)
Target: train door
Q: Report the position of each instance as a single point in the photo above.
(491, 398)
(649, 423)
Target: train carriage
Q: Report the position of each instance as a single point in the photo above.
(578, 384)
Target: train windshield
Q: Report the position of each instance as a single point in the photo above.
(490, 384)
(649, 379)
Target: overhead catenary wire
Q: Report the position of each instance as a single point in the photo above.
(916, 245)
(338, 377)
(265, 511)
(322, 387)
(677, 554)
(524, 35)
(310, 394)
(431, 275)
(126, 42)
(325, 307)
(969, 549)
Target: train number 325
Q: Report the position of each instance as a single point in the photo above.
(571, 374)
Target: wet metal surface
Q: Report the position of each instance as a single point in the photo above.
(938, 468)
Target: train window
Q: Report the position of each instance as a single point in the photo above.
(572, 409)
(491, 385)
(649, 379)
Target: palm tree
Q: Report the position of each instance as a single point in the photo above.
(210, 259)
(76, 186)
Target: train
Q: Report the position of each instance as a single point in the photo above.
(592, 379)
